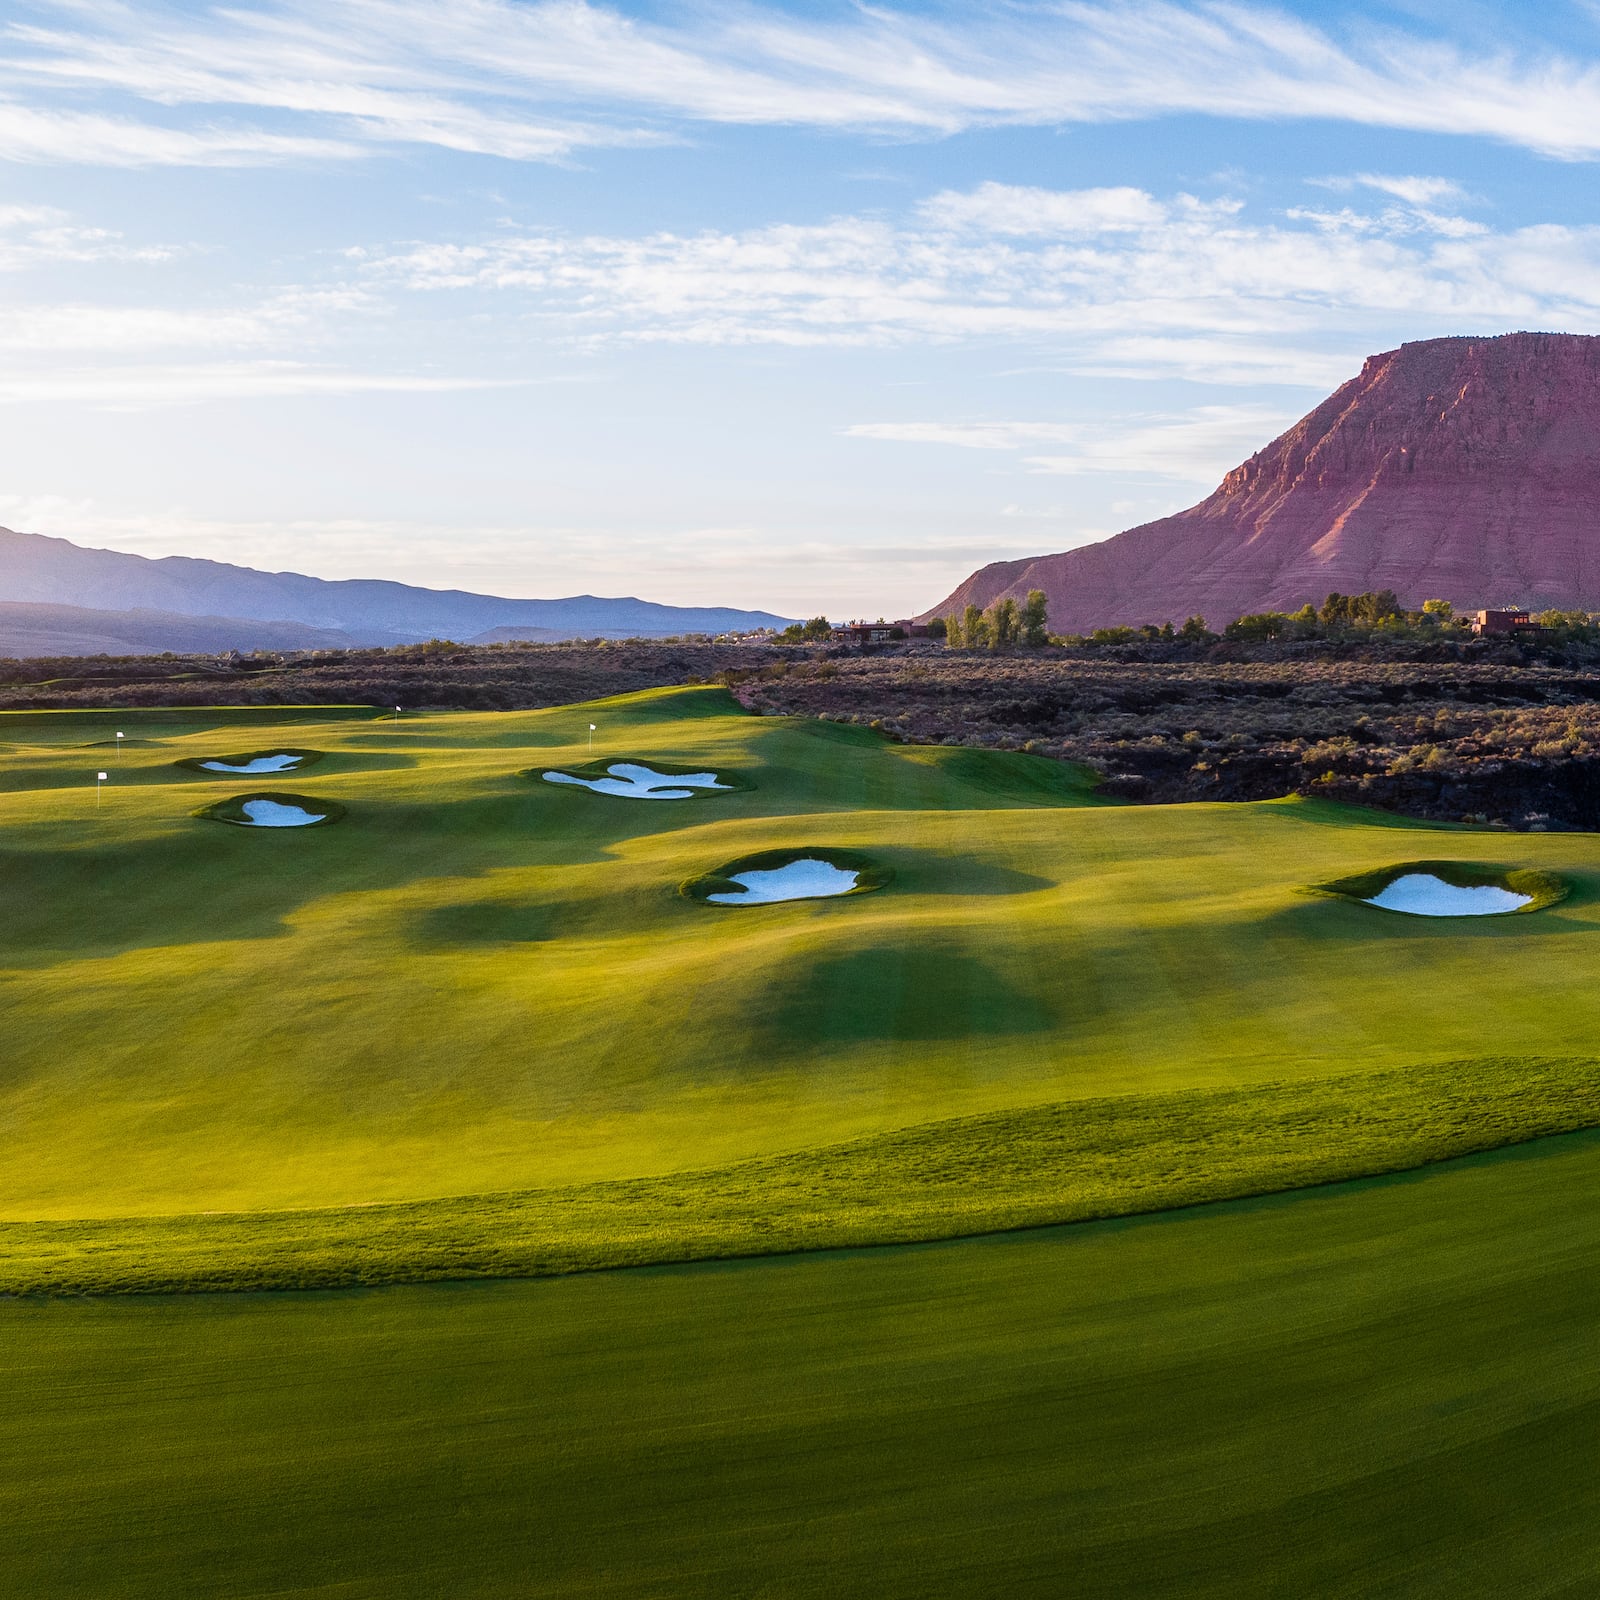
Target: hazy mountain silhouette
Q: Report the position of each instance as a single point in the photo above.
(46, 571)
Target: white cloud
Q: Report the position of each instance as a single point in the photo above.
(1196, 446)
(538, 79)
(1008, 209)
(142, 387)
(34, 134)
(1415, 191)
(1193, 288)
(65, 327)
(33, 236)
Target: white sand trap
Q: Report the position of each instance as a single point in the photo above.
(274, 814)
(642, 783)
(800, 880)
(260, 764)
(1423, 895)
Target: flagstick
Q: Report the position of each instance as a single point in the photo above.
(99, 778)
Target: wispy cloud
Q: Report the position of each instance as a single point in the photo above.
(36, 236)
(536, 81)
(66, 327)
(1415, 190)
(1140, 283)
(39, 135)
(1196, 446)
(140, 387)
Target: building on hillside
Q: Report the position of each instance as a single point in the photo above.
(881, 632)
(1502, 623)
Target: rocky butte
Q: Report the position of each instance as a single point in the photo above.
(1456, 469)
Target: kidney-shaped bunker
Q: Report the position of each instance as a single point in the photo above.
(1451, 889)
(273, 811)
(777, 875)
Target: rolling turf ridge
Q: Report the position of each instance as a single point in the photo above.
(471, 1029)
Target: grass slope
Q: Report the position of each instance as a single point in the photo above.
(1005, 1170)
(482, 986)
(1387, 1389)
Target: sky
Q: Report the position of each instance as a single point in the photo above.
(813, 308)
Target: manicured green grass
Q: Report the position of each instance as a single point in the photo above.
(476, 1031)
(1003, 1170)
(1391, 1389)
(481, 985)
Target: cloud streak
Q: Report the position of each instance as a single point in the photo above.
(539, 81)
(1134, 283)
(1196, 446)
(142, 387)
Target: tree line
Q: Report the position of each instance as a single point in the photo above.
(1378, 612)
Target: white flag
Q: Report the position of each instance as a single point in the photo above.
(101, 776)
(591, 727)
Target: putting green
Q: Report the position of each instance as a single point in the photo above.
(1389, 1389)
(481, 986)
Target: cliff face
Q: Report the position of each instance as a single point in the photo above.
(1459, 469)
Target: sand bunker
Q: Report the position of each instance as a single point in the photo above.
(274, 814)
(805, 879)
(634, 782)
(283, 763)
(1420, 894)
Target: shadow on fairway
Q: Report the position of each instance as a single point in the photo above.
(899, 989)
(942, 873)
(509, 920)
(185, 889)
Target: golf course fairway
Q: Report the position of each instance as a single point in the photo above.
(1388, 1388)
(1098, 1206)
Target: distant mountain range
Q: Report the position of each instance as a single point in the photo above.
(59, 598)
(39, 630)
(1459, 469)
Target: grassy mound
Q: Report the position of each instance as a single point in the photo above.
(1018, 1169)
(870, 874)
(385, 1017)
(232, 809)
(479, 1036)
(1544, 888)
(198, 763)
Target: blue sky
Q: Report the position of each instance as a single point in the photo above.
(809, 308)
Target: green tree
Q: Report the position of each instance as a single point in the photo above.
(952, 631)
(974, 629)
(1442, 609)
(1002, 618)
(814, 631)
(1193, 629)
(1256, 626)
(1035, 619)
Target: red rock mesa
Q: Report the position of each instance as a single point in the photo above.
(1456, 469)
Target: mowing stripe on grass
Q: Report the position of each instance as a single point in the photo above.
(1016, 1169)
